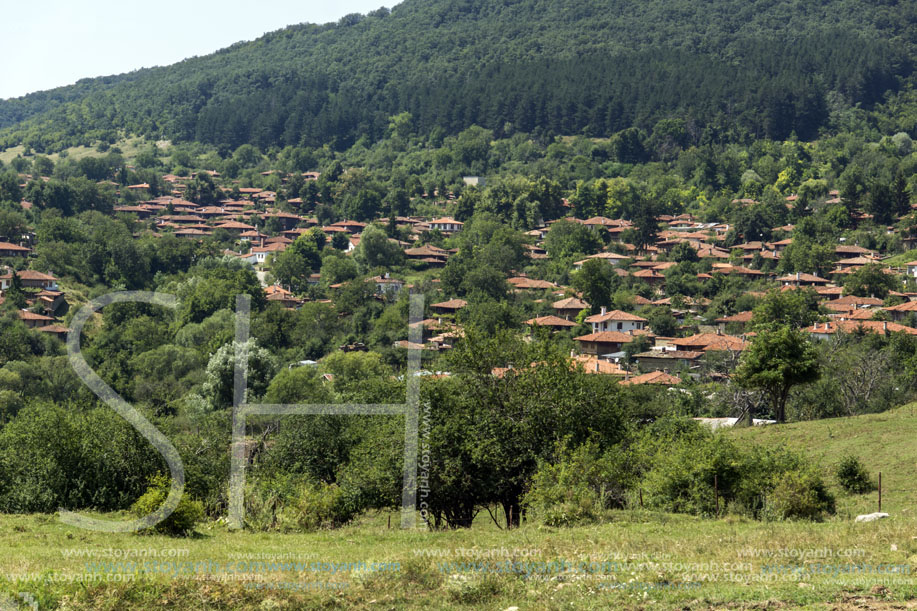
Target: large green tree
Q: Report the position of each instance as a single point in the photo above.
(778, 359)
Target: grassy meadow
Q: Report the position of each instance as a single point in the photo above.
(636, 560)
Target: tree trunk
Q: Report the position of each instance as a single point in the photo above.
(780, 405)
(513, 512)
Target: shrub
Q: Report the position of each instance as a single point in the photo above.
(679, 461)
(294, 502)
(578, 487)
(321, 505)
(853, 477)
(180, 522)
(94, 459)
(761, 471)
(684, 471)
(800, 494)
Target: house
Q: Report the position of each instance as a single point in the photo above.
(802, 279)
(192, 233)
(521, 283)
(603, 342)
(856, 262)
(610, 257)
(668, 360)
(861, 314)
(351, 227)
(30, 279)
(261, 253)
(780, 246)
(235, 227)
(739, 320)
(651, 276)
(142, 212)
(601, 221)
(594, 365)
(709, 342)
(851, 251)
(433, 256)
(570, 307)
(446, 225)
(736, 270)
(902, 310)
(287, 221)
(51, 300)
(12, 250)
(827, 330)
(654, 377)
(827, 292)
(386, 285)
(474, 181)
(859, 302)
(616, 320)
(180, 219)
(911, 269)
(278, 294)
(449, 307)
(555, 322)
(33, 320)
(57, 330)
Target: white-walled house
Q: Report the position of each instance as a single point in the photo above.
(446, 225)
(616, 320)
(911, 269)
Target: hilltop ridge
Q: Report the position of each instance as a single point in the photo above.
(736, 69)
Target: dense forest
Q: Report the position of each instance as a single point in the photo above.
(731, 71)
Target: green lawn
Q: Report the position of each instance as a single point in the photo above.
(639, 560)
(885, 442)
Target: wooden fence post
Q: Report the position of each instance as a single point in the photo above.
(716, 493)
(880, 491)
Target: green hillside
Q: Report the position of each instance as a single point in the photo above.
(731, 69)
(884, 442)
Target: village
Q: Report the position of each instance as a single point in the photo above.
(621, 341)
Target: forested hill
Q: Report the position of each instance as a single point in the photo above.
(735, 68)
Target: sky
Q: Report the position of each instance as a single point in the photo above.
(59, 42)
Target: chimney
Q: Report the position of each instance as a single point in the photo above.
(604, 310)
(884, 327)
(596, 365)
(797, 276)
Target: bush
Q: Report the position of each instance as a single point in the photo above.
(94, 459)
(679, 460)
(853, 477)
(800, 494)
(579, 487)
(761, 471)
(684, 471)
(321, 505)
(180, 522)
